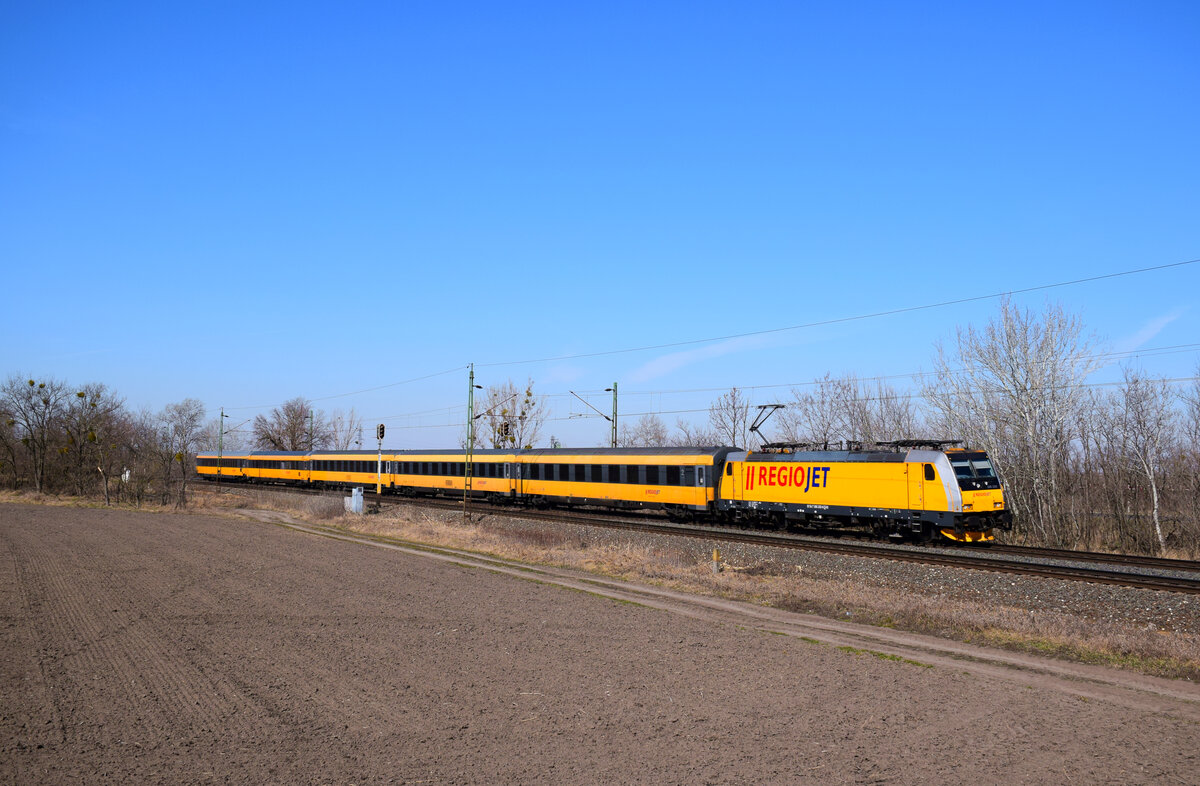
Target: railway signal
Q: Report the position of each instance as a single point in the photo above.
(379, 469)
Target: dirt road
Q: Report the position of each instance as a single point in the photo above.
(176, 648)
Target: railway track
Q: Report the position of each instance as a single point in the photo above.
(1097, 568)
(1129, 560)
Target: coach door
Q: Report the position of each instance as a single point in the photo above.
(732, 482)
(916, 486)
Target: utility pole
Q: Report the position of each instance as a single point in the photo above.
(614, 417)
(469, 465)
(220, 442)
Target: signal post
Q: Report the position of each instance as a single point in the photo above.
(379, 469)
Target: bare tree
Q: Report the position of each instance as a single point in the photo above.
(817, 415)
(1190, 451)
(146, 460)
(729, 417)
(232, 441)
(90, 419)
(843, 408)
(11, 449)
(688, 435)
(1143, 423)
(1015, 390)
(511, 418)
(36, 409)
(180, 427)
(343, 429)
(113, 449)
(293, 426)
(648, 432)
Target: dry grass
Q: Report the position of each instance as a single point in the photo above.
(1062, 635)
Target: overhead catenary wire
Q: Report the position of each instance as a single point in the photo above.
(1124, 354)
(895, 397)
(841, 320)
(747, 334)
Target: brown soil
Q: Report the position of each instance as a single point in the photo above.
(177, 648)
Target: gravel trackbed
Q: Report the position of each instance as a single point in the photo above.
(172, 648)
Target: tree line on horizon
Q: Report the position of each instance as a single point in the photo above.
(1114, 467)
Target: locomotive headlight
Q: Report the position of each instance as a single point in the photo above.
(968, 506)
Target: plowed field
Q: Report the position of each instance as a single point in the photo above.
(188, 648)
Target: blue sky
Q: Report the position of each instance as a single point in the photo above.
(243, 203)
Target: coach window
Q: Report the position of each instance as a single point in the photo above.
(673, 476)
(652, 476)
(581, 473)
(929, 472)
(631, 474)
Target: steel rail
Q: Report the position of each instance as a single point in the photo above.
(981, 561)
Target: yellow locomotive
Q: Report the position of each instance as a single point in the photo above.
(904, 489)
(910, 490)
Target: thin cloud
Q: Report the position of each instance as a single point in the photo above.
(1148, 331)
(666, 364)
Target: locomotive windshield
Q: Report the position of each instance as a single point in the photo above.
(974, 471)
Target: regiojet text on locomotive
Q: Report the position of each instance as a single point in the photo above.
(787, 477)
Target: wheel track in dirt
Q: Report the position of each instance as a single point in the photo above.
(155, 678)
(272, 615)
(1127, 689)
